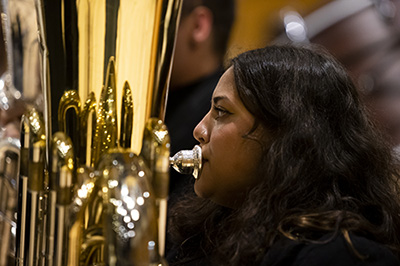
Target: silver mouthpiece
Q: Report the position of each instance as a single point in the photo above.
(187, 161)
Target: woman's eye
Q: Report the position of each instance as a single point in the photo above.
(220, 112)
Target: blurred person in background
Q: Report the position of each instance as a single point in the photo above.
(201, 46)
(364, 35)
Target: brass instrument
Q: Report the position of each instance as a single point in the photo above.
(9, 155)
(93, 181)
(8, 93)
(16, 191)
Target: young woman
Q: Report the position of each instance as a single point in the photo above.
(294, 172)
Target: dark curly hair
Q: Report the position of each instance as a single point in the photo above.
(325, 169)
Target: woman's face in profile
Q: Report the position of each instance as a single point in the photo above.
(230, 157)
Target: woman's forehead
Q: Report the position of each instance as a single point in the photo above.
(226, 85)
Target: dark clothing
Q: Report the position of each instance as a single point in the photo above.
(185, 108)
(334, 253)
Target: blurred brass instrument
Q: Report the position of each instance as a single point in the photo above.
(93, 167)
(9, 156)
(10, 148)
(8, 93)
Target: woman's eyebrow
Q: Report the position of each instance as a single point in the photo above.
(219, 98)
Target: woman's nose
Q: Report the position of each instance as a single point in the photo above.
(201, 133)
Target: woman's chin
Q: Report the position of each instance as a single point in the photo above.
(199, 190)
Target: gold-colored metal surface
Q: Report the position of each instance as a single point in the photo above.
(105, 137)
(155, 150)
(88, 126)
(125, 138)
(103, 205)
(134, 39)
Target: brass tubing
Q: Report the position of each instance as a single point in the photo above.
(64, 197)
(9, 155)
(69, 113)
(60, 198)
(35, 195)
(22, 192)
(30, 187)
(106, 124)
(163, 43)
(125, 138)
(88, 126)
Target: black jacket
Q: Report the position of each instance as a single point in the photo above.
(334, 253)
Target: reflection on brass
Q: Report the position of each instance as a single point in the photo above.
(88, 126)
(188, 162)
(144, 34)
(155, 151)
(106, 124)
(80, 241)
(86, 239)
(126, 117)
(70, 99)
(69, 112)
(8, 93)
(129, 209)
